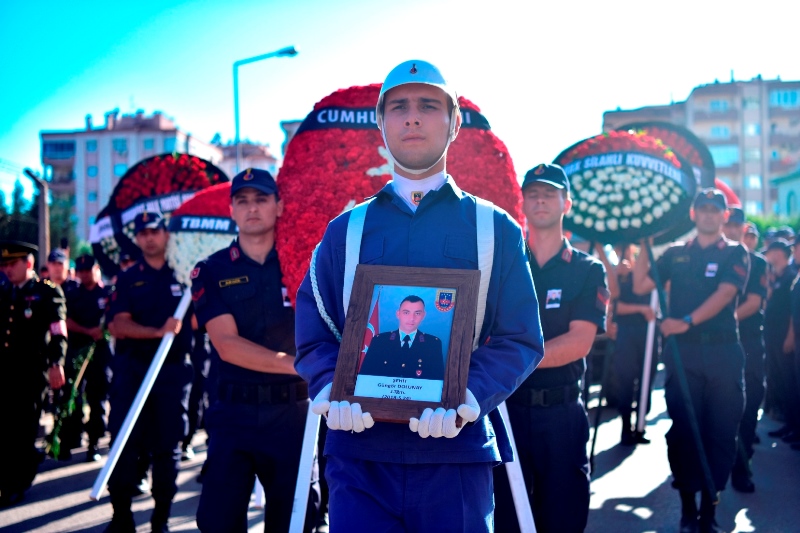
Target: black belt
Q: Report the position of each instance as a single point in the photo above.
(709, 337)
(262, 394)
(546, 397)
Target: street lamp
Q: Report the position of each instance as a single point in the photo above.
(289, 51)
(44, 214)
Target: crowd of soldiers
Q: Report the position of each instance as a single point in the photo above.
(243, 368)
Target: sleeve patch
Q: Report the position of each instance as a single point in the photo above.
(603, 297)
(739, 269)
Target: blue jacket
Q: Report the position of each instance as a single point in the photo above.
(441, 234)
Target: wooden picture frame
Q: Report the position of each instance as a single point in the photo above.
(407, 394)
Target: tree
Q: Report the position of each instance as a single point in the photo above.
(3, 205)
(61, 222)
(19, 205)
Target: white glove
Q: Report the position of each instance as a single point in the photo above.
(341, 415)
(441, 423)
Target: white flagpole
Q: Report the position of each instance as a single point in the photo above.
(303, 485)
(138, 402)
(644, 383)
(518, 491)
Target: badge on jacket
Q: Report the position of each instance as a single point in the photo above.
(553, 300)
(711, 270)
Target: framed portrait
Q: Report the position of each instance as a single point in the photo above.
(407, 340)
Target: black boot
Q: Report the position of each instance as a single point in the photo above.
(688, 512)
(708, 507)
(122, 521)
(160, 518)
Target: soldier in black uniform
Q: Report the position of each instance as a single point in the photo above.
(256, 424)
(706, 275)
(33, 342)
(406, 352)
(779, 339)
(142, 304)
(750, 314)
(86, 308)
(547, 414)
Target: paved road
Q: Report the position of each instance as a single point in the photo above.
(631, 490)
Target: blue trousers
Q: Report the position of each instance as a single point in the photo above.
(551, 445)
(754, 395)
(714, 373)
(248, 441)
(372, 497)
(629, 350)
(159, 429)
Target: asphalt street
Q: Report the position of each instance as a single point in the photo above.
(631, 489)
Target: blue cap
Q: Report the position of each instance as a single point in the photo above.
(85, 262)
(782, 245)
(550, 174)
(735, 215)
(57, 255)
(148, 220)
(256, 178)
(711, 196)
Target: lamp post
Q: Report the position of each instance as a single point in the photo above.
(44, 214)
(289, 51)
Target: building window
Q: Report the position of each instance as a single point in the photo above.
(91, 171)
(720, 132)
(751, 102)
(718, 106)
(752, 154)
(148, 144)
(752, 130)
(724, 155)
(58, 150)
(753, 207)
(775, 155)
(91, 146)
(120, 169)
(92, 196)
(120, 145)
(169, 144)
(753, 181)
(784, 98)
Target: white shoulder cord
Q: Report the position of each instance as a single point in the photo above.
(484, 226)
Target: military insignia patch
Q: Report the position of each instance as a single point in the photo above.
(234, 253)
(538, 171)
(711, 270)
(233, 281)
(416, 197)
(248, 175)
(445, 299)
(195, 273)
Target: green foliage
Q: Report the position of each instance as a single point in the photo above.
(61, 223)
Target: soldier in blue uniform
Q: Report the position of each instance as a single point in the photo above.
(391, 477)
(706, 275)
(33, 345)
(406, 352)
(547, 413)
(779, 339)
(142, 304)
(750, 314)
(86, 308)
(256, 423)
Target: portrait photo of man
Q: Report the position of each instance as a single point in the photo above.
(406, 352)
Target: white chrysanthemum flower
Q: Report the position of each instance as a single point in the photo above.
(612, 224)
(601, 213)
(647, 218)
(600, 225)
(592, 209)
(588, 222)
(658, 212)
(647, 201)
(583, 205)
(636, 223)
(626, 210)
(186, 248)
(648, 173)
(666, 206)
(577, 218)
(603, 200)
(616, 211)
(633, 195)
(636, 208)
(624, 223)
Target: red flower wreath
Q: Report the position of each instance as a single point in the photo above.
(328, 170)
(619, 141)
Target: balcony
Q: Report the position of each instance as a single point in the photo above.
(783, 166)
(733, 139)
(790, 112)
(730, 114)
(785, 140)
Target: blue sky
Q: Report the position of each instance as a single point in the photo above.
(543, 72)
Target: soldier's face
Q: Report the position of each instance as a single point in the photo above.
(750, 240)
(57, 270)
(544, 205)
(16, 270)
(153, 242)
(88, 278)
(416, 122)
(410, 315)
(255, 212)
(709, 219)
(733, 231)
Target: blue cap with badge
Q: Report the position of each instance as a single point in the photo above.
(711, 196)
(148, 220)
(550, 174)
(57, 255)
(256, 178)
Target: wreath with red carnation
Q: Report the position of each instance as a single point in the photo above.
(161, 184)
(337, 159)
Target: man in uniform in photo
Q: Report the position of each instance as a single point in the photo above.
(406, 352)
(33, 343)
(706, 276)
(547, 414)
